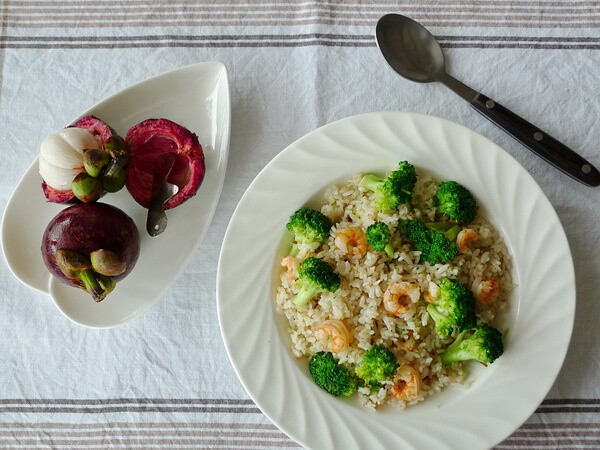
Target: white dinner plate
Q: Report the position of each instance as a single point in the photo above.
(195, 96)
(497, 399)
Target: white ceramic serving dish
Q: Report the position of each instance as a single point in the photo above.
(195, 96)
(497, 399)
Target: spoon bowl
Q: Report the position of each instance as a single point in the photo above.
(409, 48)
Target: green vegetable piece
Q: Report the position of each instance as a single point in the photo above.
(393, 190)
(113, 182)
(86, 188)
(315, 276)
(454, 309)
(448, 229)
(378, 365)
(483, 344)
(330, 375)
(435, 247)
(457, 202)
(379, 238)
(94, 160)
(309, 225)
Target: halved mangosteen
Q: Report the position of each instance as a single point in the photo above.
(148, 142)
(89, 146)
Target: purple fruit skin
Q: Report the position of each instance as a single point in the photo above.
(86, 227)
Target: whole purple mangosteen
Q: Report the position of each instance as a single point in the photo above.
(91, 246)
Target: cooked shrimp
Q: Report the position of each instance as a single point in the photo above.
(291, 264)
(464, 239)
(407, 383)
(352, 240)
(399, 295)
(335, 334)
(487, 291)
(433, 290)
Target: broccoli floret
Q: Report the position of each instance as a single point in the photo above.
(442, 249)
(378, 365)
(309, 225)
(330, 375)
(453, 309)
(435, 246)
(394, 189)
(448, 229)
(379, 238)
(483, 344)
(456, 202)
(315, 276)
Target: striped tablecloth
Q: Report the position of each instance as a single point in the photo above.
(164, 380)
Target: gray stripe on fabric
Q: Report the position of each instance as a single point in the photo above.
(468, 12)
(142, 433)
(119, 401)
(140, 425)
(3, 37)
(526, 46)
(262, 10)
(213, 37)
(290, 37)
(519, 38)
(222, 16)
(569, 405)
(559, 425)
(156, 442)
(568, 410)
(294, 44)
(479, 4)
(184, 22)
(568, 443)
(322, 13)
(556, 434)
(119, 409)
(572, 401)
(196, 45)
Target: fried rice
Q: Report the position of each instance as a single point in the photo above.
(365, 277)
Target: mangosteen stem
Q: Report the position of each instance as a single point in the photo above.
(119, 152)
(99, 286)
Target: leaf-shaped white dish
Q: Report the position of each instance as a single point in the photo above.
(498, 398)
(196, 97)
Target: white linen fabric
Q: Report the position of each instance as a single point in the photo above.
(164, 380)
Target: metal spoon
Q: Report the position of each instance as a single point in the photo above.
(412, 51)
(156, 221)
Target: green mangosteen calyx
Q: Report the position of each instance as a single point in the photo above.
(107, 263)
(86, 188)
(81, 269)
(94, 160)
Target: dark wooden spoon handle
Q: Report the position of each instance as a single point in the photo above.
(550, 149)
